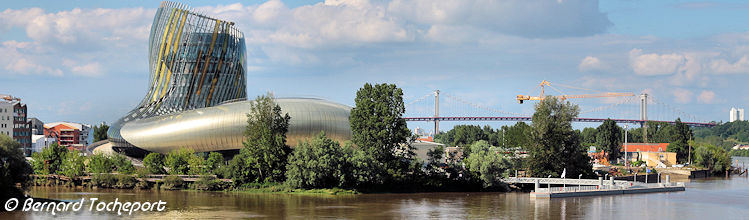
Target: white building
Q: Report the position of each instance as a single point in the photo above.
(6, 118)
(39, 142)
(420, 131)
(736, 114)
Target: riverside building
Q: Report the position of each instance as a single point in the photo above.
(197, 92)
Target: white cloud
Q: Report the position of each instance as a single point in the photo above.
(79, 28)
(654, 64)
(18, 57)
(590, 63)
(682, 95)
(706, 96)
(527, 18)
(95, 37)
(88, 69)
(300, 35)
(724, 66)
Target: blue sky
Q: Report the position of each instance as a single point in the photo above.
(85, 61)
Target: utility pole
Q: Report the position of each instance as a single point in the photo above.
(689, 144)
(644, 116)
(625, 145)
(503, 138)
(436, 112)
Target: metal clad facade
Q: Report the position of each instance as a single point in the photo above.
(188, 53)
(197, 92)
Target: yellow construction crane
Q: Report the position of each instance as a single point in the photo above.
(545, 83)
(9, 98)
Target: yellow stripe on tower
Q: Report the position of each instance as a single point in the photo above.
(218, 68)
(159, 63)
(174, 47)
(208, 58)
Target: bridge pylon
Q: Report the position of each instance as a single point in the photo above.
(436, 111)
(644, 116)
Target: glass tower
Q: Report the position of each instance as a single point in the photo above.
(195, 61)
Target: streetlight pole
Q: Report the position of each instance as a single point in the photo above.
(503, 138)
(625, 145)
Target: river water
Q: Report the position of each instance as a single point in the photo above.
(712, 198)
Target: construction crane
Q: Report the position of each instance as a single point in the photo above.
(545, 83)
(9, 97)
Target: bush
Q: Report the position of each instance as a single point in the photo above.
(142, 184)
(13, 168)
(173, 183)
(638, 163)
(100, 163)
(178, 161)
(361, 167)
(73, 164)
(208, 183)
(713, 158)
(49, 160)
(122, 164)
(104, 180)
(142, 172)
(740, 152)
(318, 163)
(125, 182)
(487, 163)
(154, 163)
(214, 164)
(195, 164)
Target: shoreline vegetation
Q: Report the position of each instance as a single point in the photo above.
(378, 158)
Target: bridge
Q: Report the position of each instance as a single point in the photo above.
(629, 121)
(635, 109)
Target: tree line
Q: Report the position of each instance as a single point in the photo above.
(379, 156)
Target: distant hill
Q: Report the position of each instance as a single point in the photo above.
(725, 135)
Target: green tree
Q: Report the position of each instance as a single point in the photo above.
(177, 161)
(556, 146)
(739, 153)
(379, 128)
(362, 169)
(122, 164)
(154, 163)
(100, 132)
(48, 161)
(589, 137)
(487, 163)
(465, 135)
(13, 169)
(517, 136)
(680, 134)
(264, 155)
(73, 164)
(609, 138)
(196, 163)
(214, 164)
(711, 157)
(318, 163)
(100, 163)
(494, 137)
(434, 156)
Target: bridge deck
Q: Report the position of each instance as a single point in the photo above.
(630, 121)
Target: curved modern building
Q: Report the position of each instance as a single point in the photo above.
(197, 92)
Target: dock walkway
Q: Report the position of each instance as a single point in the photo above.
(592, 187)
